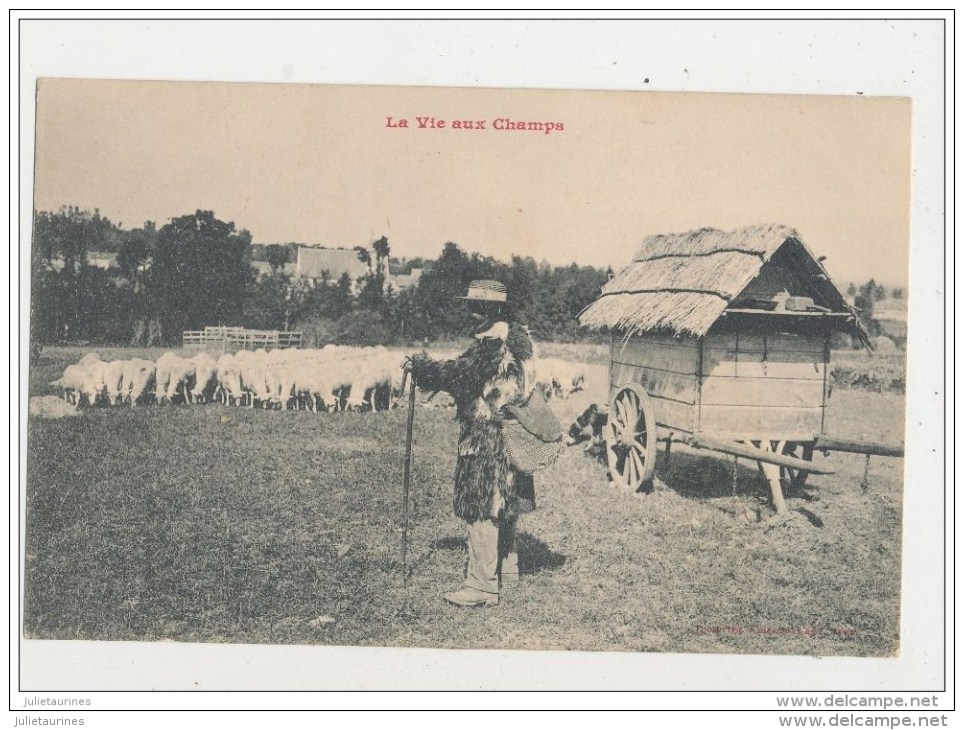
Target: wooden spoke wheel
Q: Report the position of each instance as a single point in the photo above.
(790, 478)
(796, 479)
(631, 437)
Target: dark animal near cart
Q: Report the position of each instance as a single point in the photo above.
(721, 340)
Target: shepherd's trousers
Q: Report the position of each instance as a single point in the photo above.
(492, 553)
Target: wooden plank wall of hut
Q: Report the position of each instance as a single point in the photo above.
(666, 367)
(762, 385)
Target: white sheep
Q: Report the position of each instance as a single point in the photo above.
(182, 379)
(277, 362)
(93, 388)
(205, 377)
(138, 377)
(229, 389)
(88, 358)
(114, 381)
(314, 387)
(337, 375)
(83, 381)
(559, 377)
(299, 381)
(253, 367)
(376, 377)
(162, 376)
(72, 382)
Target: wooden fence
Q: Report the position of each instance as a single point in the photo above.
(227, 339)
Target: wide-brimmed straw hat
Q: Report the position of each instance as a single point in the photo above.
(486, 290)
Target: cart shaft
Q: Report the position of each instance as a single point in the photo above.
(733, 448)
(831, 443)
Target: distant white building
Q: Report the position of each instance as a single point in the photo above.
(102, 259)
(406, 281)
(98, 259)
(263, 268)
(315, 264)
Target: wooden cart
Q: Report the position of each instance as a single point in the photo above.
(722, 341)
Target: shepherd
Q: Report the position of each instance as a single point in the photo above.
(493, 385)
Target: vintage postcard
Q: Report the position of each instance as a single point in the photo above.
(658, 341)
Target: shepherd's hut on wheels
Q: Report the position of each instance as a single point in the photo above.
(721, 339)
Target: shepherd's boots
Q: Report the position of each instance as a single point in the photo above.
(468, 596)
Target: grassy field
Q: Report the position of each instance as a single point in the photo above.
(222, 524)
(867, 370)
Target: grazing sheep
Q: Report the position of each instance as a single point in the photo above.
(560, 378)
(229, 390)
(370, 376)
(90, 357)
(254, 379)
(300, 382)
(182, 379)
(83, 381)
(72, 382)
(138, 379)
(278, 362)
(242, 361)
(93, 388)
(314, 387)
(114, 381)
(396, 366)
(337, 375)
(333, 369)
(281, 381)
(162, 377)
(205, 378)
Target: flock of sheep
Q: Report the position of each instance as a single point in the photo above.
(332, 378)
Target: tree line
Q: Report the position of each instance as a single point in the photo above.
(196, 270)
(866, 297)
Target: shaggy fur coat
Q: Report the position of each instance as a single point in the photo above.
(497, 370)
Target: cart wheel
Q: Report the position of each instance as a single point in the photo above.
(796, 479)
(631, 437)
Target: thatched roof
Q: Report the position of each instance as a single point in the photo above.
(682, 283)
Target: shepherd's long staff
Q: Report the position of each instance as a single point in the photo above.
(406, 483)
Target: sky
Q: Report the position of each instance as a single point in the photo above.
(323, 164)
